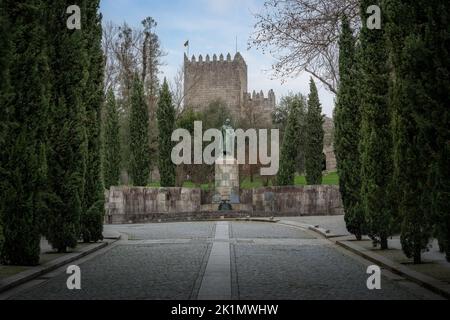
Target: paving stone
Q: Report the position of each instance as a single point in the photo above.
(131, 272)
(251, 230)
(255, 260)
(305, 273)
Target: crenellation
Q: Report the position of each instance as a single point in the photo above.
(237, 59)
(225, 79)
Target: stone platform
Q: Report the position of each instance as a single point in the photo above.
(227, 180)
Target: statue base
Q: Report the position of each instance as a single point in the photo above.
(225, 206)
(227, 180)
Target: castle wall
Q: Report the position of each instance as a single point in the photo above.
(208, 79)
(217, 78)
(262, 106)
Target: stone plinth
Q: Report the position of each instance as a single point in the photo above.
(227, 180)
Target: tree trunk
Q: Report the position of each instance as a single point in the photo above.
(441, 246)
(384, 243)
(418, 258)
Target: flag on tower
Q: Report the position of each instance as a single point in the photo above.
(186, 43)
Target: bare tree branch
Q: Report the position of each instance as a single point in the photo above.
(302, 35)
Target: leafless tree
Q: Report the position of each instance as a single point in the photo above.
(303, 36)
(151, 58)
(109, 42)
(178, 90)
(127, 52)
(130, 52)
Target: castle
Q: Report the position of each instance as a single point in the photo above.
(225, 79)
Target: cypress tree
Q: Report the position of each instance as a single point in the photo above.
(421, 59)
(166, 125)
(139, 144)
(376, 140)
(291, 141)
(94, 199)
(26, 109)
(440, 178)
(67, 133)
(111, 166)
(5, 92)
(347, 132)
(2, 238)
(314, 138)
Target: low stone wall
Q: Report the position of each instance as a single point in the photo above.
(140, 205)
(302, 201)
(130, 204)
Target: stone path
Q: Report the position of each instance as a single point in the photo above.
(216, 283)
(220, 260)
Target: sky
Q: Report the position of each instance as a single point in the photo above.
(211, 26)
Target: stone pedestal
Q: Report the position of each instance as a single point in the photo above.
(227, 180)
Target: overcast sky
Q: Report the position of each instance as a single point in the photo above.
(211, 26)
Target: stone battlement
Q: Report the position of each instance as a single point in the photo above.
(215, 59)
(263, 105)
(222, 78)
(259, 99)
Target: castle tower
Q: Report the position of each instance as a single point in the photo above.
(208, 80)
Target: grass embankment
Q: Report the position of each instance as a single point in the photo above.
(328, 179)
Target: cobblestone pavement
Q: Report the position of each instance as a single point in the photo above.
(264, 261)
(336, 224)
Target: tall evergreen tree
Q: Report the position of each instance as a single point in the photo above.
(5, 92)
(280, 118)
(376, 140)
(67, 133)
(2, 238)
(314, 156)
(291, 142)
(111, 166)
(166, 126)
(347, 120)
(26, 109)
(421, 59)
(94, 199)
(139, 144)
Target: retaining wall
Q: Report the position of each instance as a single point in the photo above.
(140, 205)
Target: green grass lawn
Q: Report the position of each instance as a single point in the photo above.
(187, 184)
(329, 179)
